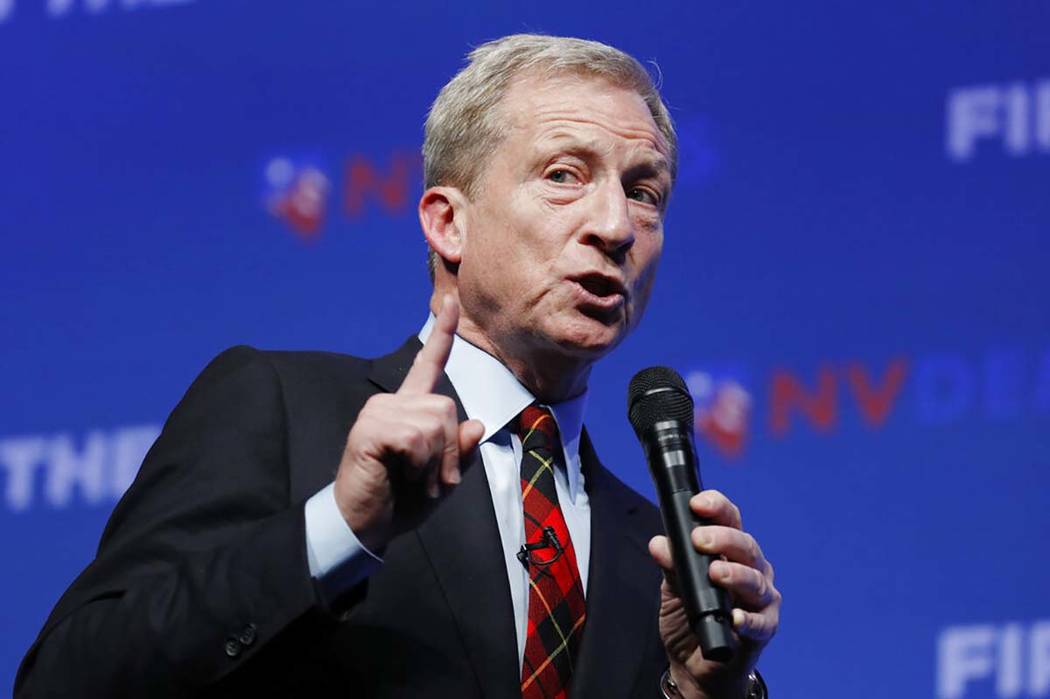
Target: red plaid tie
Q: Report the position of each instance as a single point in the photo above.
(556, 604)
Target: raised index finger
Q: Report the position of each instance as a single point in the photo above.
(430, 362)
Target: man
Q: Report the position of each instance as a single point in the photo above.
(318, 525)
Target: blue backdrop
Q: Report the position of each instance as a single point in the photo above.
(856, 250)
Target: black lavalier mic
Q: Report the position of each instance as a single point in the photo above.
(661, 411)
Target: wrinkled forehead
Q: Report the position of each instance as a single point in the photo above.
(535, 99)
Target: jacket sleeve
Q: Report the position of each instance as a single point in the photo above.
(202, 569)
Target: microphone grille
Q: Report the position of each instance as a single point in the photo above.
(655, 394)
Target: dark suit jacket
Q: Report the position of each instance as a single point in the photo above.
(201, 584)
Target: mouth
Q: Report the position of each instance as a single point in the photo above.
(600, 290)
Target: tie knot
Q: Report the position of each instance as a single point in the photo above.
(537, 429)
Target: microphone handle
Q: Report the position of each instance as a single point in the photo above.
(672, 463)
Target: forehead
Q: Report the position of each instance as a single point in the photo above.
(539, 109)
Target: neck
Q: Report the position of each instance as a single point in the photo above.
(551, 375)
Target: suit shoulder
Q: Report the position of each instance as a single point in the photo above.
(299, 377)
(284, 362)
(315, 363)
(248, 377)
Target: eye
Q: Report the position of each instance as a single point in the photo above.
(561, 176)
(645, 195)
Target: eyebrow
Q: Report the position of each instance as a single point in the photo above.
(650, 167)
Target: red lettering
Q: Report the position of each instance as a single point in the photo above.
(788, 395)
(363, 182)
(875, 402)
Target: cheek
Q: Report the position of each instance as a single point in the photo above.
(502, 271)
(646, 256)
(645, 261)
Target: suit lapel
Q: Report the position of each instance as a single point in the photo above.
(461, 539)
(622, 599)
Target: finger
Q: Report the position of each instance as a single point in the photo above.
(749, 588)
(463, 439)
(437, 420)
(716, 508)
(755, 625)
(415, 449)
(433, 489)
(430, 360)
(660, 550)
(470, 434)
(732, 543)
(450, 433)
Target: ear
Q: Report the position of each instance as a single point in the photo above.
(443, 217)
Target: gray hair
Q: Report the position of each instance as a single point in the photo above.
(464, 125)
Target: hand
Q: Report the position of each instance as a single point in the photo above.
(404, 443)
(748, 577)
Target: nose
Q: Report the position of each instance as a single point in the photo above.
(609, 226)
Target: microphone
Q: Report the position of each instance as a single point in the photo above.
(549, 539)
(661, 411)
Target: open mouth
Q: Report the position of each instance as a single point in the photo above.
(599, 285)
(601, 291)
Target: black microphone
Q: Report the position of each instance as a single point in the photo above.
(661, 411)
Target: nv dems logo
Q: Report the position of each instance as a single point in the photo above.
(733, 406)
(297, 190)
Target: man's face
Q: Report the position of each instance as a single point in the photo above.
(566, 228)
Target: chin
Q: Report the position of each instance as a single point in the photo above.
(588, 337)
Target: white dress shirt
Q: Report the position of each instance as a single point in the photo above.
(491, 394)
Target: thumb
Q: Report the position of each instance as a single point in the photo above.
(470, 433)
(660, 550)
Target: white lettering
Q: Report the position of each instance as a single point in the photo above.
(972, 113)
(1016, 102)
(59, 8)
(967, 654)
(101, 469)
(129, 448)
(1039, 660)
(1042, 111)
(66, 468)
(1017, 114)
(1008, 678)
(964, 653)
(19, 456)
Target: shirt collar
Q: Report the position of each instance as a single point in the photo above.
(492, 394)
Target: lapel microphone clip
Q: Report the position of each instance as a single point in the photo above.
(549, 540)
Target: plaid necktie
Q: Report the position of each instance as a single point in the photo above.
(556, 604)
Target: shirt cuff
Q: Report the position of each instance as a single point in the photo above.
(337, 558)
